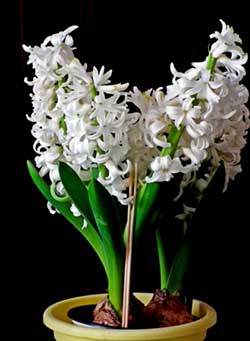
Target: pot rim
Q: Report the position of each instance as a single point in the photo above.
(56, 318)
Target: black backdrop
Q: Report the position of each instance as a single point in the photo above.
(47, 260)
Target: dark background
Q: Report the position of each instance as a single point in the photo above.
(46, 259)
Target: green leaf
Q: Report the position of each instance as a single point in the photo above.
(76, 190)
(144, 203)
(162, 259)
(104, 211)
(179, 266)
(109, 228)
(64, 208)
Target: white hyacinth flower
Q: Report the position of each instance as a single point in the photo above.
(163, 168)
(226, 40)
(81, 118)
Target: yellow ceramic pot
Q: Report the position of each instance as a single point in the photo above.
(56, 318)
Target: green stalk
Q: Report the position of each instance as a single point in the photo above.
(173, 138)
(164, 272)
(211, 62)
(93, 92)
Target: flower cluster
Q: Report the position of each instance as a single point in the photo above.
(83, 120)
(79, 117)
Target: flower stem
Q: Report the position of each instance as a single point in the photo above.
(93, 92)
(173, 138)
(211, 62)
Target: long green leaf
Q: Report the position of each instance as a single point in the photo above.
(64, 208)
(164, 271)
(105, 213)
(96, 205)
(105, 216)
(145, 201)
(179, 266)
(76, 190)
